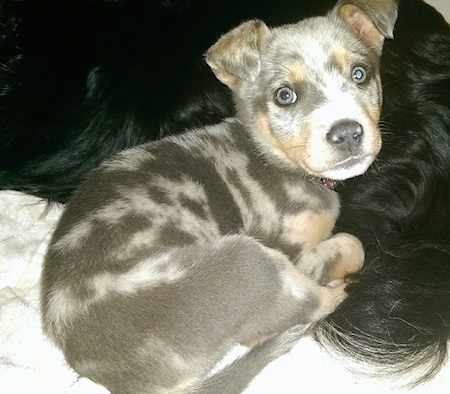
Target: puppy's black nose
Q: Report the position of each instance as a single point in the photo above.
(345, 135)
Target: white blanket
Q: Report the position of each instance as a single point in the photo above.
(30, 364)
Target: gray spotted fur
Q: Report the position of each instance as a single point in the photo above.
(173, 252)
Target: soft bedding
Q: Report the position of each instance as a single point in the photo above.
(29, 363)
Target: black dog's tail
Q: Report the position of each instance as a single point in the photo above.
(377, 327)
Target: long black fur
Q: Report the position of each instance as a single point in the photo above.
(81, 79)
(398, 314)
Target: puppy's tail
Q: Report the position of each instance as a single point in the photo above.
(235, 377)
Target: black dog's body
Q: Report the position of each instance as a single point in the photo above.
(401, 208)
(83, 80)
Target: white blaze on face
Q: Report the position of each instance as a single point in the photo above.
(341, 101)
(326, 159)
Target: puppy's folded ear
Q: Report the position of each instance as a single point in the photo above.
(372, 20)
(235, 56)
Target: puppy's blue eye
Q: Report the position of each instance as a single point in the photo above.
(359, 74)
(285, 96)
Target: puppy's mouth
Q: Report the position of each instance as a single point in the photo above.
(328, 183)
(349, 168)
(350, 162)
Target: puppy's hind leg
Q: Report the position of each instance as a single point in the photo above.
(304, 300)
(235, 377)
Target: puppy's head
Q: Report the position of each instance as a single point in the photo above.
(310, 92)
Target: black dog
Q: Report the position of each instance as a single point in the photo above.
(82, 79)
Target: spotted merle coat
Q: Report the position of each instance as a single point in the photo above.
(173, 252)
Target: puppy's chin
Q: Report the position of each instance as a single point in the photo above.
(349, 168)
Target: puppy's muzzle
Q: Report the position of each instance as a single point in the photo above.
(346, 135)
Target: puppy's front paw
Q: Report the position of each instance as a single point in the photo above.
(333, 259)
(350, 259)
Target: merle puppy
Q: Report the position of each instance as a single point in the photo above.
(150, 280)
(81, 79)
